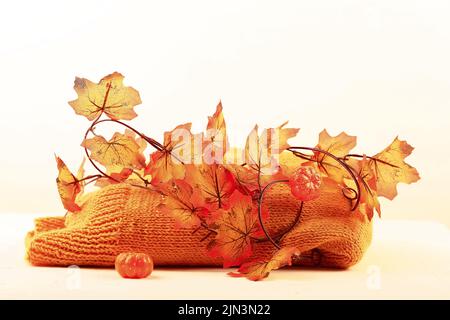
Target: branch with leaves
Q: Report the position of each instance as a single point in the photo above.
(207, 185)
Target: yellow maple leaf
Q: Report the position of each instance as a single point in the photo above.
(109, 96)
(389, 168)
(339, 146)
(121, 150)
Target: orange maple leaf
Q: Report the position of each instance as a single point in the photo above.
(238, 227)
(215, 183)
(167, 164)
(388, 168)
(215, 139)
(260, 269)
(69, 185)
(182, 203)
(109, 96)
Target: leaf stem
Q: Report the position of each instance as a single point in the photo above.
(151, 141)
(94, 176)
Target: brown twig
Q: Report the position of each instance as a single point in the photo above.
(260, 200)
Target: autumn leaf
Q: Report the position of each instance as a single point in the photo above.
(238, 227)
(262, 151)
(252, 167)
(139, 140)
(121, 150)
(278, 138)
(369, 202)
(368, 188)
(182, 203)
(258, 270)
(215, 140)
(114, 177)
(248, 179)
(118, 173)
(245, 177)
(109, 96)
(215, 183)
(389, 168)
(339, 146)
(167, 164)
(289, 163)
(69, 186)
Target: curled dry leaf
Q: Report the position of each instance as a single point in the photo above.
(260, 269)
(215, 139)
(109, 96)
(69, 186)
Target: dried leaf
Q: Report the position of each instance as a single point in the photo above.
(260, 150)
(121, 150)
(116, 177)
(215, 183)
(238, 227)
(339, 146)
(182, 203)
(215, 140)
(261, 156)
(368, 190)
(260, 269)
(390, 169)
(168, 164)
(69, 186)
(109, 96)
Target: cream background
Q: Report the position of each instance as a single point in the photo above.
(372, 68)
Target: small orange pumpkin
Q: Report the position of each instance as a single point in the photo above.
(134, 265)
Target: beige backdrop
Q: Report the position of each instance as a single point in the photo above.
(372, 68)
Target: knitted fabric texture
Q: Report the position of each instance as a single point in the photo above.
(121, 218)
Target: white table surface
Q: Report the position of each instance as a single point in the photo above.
(407, 260)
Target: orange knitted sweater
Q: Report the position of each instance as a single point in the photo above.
(121, 218)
